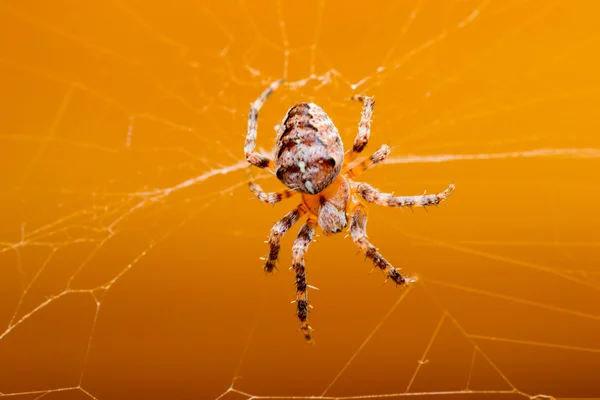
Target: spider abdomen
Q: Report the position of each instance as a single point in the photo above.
(309, 151)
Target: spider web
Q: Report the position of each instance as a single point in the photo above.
(129, 242)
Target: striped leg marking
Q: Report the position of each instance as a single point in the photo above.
(270, 197)
(370, 162)
(252, 156)
(277, 232)
(358, 230)
(364, 128)
(300, 247)
(372, 195)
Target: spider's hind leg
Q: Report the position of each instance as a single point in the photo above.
(358, 230)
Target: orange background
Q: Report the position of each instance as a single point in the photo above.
(129, 242)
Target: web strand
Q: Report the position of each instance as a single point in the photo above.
(115, 154)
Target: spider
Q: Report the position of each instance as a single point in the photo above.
(310, 161)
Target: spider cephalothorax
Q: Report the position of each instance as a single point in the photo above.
(310, 160)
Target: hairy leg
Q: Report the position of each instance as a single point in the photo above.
(370, 162)
(358, 230)
(270, 197)
(252, 156)
(300, 247)
(364, 128)
(277, 232)
(373, 195)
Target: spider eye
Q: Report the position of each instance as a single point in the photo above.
(330, 161)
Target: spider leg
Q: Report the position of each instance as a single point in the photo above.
(252, 156)
(364, 128)
(372, 195)
(358, 230)
(300, 247)
(270, 197)
(277, 232)
(370, 162)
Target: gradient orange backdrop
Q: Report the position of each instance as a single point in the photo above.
(130, 244)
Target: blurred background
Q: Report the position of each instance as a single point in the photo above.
(130, 243)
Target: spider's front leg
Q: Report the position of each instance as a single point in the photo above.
(358, 230)
(370, 162)
(252, 156)
(373, 195)
(364, 128)
(277, 231)
(300, 247)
